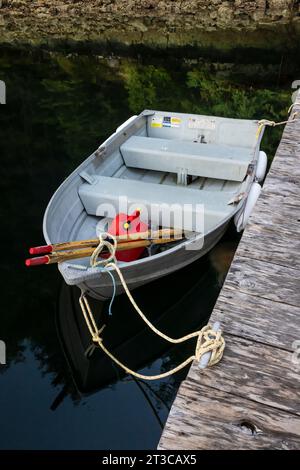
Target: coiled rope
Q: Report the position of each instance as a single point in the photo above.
(208, 340)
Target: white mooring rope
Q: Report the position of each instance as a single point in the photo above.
(209, 339)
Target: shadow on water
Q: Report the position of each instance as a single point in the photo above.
(59, 108)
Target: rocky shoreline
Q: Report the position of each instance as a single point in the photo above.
(253, 23)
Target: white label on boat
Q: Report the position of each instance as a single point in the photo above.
(157, 121)
(201, 123)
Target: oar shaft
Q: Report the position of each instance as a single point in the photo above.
(85, 252)
(58, 257)
(46, 249)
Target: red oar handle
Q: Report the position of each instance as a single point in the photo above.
(41, 250)
(37, 261)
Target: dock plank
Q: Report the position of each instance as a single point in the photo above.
(219, 420)
(280, 247)
(258, 319)
(284, 186)
(264, 279)
(254, 371)
(281, 216)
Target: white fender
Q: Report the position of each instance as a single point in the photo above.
(129, 120)
(261, 166)
(241, 217)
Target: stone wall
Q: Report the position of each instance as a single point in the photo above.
(157, 22)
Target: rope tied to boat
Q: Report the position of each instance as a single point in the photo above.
(266, 122)
(208, 340)
(104, 243)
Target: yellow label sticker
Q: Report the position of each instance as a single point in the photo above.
(175, 121)
(157, 121)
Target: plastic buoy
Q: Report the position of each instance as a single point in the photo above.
(261, 166)
(241, 217)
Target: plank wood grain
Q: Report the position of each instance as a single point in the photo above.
(267, 243)
(267, 280)
(256, 372)
(283, 186)
(279, 214)
(205, 418)
(258, 319)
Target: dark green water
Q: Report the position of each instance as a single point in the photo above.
(59, 108)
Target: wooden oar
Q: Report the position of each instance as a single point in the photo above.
(46, 249)
(55, 257)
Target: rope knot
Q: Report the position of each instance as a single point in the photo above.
(103, 242)
(267, 122)
(96, 338)
(210, 341)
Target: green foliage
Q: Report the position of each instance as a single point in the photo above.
(147, 86)
(227, 98)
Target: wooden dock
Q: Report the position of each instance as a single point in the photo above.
(251, 399)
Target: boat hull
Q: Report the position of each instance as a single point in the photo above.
(100, 286)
